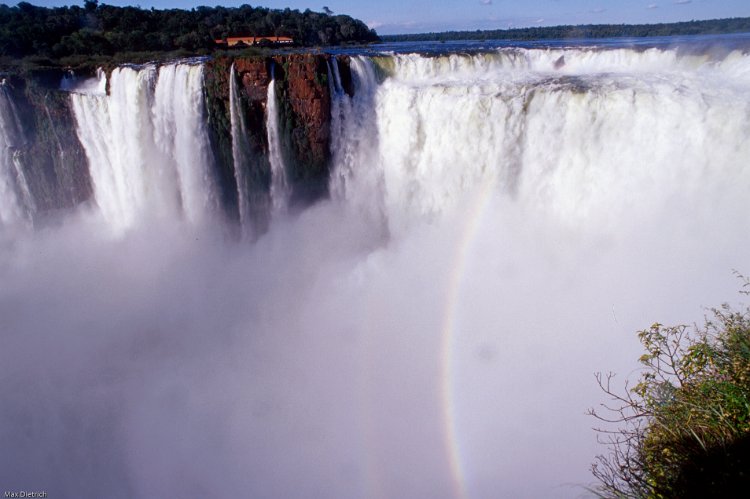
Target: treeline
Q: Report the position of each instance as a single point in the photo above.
(716, 26)
(94, 29)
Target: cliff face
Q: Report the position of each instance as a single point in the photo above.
(254, 76)
(52, 158)
(306, 101)
(305, 114)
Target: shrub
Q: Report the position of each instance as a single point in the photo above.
(684, 429)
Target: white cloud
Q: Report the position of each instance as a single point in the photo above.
(485, 2)
(683, 2)
(653, 6)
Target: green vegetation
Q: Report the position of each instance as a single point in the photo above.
(684, 429)
(68, 35)
(717, 26)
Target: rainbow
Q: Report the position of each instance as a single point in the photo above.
(473, 219)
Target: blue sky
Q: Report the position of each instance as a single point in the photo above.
(413, 16)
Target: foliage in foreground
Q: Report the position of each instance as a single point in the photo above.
(684, 429)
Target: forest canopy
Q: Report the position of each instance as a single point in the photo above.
(711, 27)
(99, 29)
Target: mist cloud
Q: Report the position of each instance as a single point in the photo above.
(311, 362)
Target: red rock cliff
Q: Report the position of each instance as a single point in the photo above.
(308, 106)
(304, 105)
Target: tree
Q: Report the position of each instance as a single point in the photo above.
(57, 32)
(684, 429)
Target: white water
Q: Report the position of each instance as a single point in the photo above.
(240, 149)
(16, 201)
(519, 64)
(649, 128)
(279, 182)
(96, 86)
(355, 142)
(147, 145)
(536, 219)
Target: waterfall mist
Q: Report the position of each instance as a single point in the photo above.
(497, 232)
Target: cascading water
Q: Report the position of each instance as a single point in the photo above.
(16, 202)
(561, 129)
(73, 83)
(180, 125)
(279, 183)
(355, 140)
(147, 144)
(240, 149)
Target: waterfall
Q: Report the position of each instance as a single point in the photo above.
(565, 131)
(279, 182)
(499, 227)
(16, 201)
(355, 139)
(240, 149)
(70, 82)
(147, 144)
(180, 120)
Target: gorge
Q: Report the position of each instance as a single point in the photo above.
(361, 274)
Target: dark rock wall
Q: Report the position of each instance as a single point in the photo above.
(53, 159)
(305, 108)
(216, 84)
(253, 78)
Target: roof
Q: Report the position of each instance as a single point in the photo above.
(252, 40)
